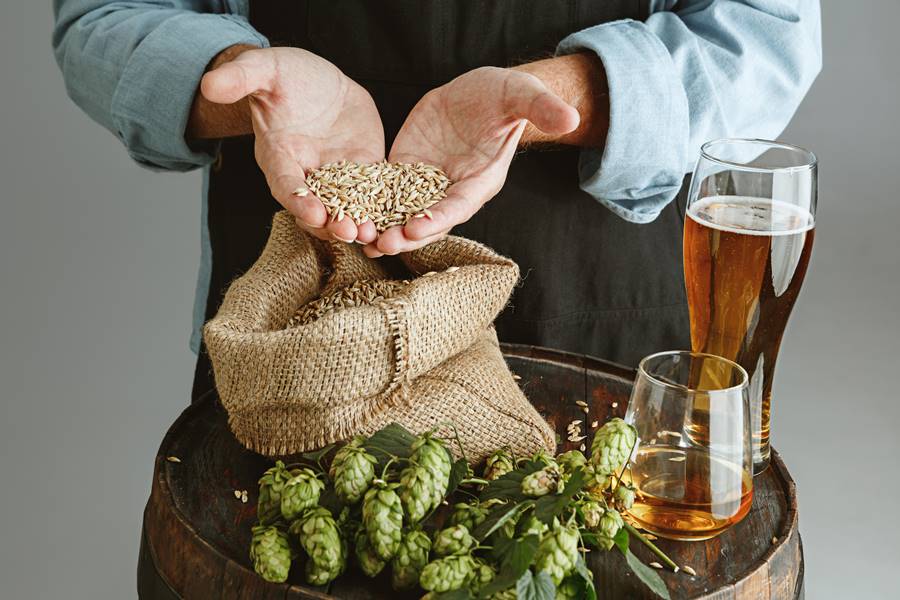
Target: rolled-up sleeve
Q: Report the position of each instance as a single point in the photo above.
(134, 67)
(710, 69)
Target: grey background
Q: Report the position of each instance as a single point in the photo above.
(97, 266)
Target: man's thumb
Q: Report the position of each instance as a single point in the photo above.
(249, 73)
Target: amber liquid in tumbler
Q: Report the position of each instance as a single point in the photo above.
(687, 494)
(744, 263)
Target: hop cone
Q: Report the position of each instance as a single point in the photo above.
(299, 493)
(369, 561)
(612, 446)
(595, 482)
(541, 483)
(570, 589)
(545, 458)
(482, 574)
(530, 525)
(448, 573)
(571, 460)
(593, 511)
(558, 553)
(320, 538)
(382, 516)
(470, 515)
(352, 471)
(424, 482)
(499, 463)
(610, 523)
(507, 594)
(272, 482)
(453, 540)
(271, 553)
(411, 558)
(624, 496)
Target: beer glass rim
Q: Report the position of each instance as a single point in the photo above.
(642, 370)
(810, 162)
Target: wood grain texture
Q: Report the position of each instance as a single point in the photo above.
(197, 533)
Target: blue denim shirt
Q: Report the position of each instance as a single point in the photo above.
(700, 70)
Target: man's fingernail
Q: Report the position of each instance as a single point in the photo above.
(340, 239)
(300, 192)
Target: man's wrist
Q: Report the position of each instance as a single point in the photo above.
(209, 120)
(580, 80)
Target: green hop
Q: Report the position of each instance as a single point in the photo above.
(300, 492)
(592, 511)
(596, 483)
(448, 573)
(382, 516)
(470, 515)
(569, 461)
(507, 594)
(271, 553)
(272, 482)
(482, 575)
(612, 446)
(352, 471)
(624, 496)
(411, 558)
(610, 523)
(499, 463)
(530, 525)
(321, 539)
(558, 553)
(369, 561)
(543, 482)
(453, 540)
(545, 458)
(571, 588)
(424, 482)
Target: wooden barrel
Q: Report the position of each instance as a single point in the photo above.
(197, 532)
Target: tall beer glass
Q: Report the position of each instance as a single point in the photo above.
(748, 235)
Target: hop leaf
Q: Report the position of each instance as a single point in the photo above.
(453, 540)
(271, 553)
(383, 519)
(448, 573)
(272, 482)
(320, 538)
(369, 561)
(543, 482)
(411, 558)
(499, 463)
(352, 470)
(558, 553)
(424, 482)
(612, 446)
(300, 492)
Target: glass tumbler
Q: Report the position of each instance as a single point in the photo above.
(692, 465)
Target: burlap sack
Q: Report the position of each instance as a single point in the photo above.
(426, 356)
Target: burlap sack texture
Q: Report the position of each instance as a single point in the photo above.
(426, 356)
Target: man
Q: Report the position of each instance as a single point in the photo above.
(607, 128)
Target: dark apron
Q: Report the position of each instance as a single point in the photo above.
(591, 282)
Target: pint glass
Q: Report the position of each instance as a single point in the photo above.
(748, 235)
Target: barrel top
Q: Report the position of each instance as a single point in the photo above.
(198, 499)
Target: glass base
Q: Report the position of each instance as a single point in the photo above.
(761, 458)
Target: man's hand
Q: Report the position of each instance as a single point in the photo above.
(305, 113)
(470, 128)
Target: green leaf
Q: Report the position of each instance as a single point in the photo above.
(515, 558)
(535, 587)
(648, 575)
(581, 568)
(548, 507)
(318, 454)
(329, 499)
(454, 595)
(509, 486)
(622, 540)
(498, 516)
(458, 472)
(393, 439)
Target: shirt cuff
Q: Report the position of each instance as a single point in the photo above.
(642, 166)
(152, 101)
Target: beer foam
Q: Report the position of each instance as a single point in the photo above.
(751, 216)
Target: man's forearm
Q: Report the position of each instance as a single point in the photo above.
(580, 80)
(209, 120)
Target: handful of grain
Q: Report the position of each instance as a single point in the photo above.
(389, 194)
(360, 293)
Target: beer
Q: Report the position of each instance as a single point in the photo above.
(744, 263)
